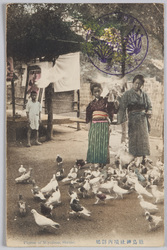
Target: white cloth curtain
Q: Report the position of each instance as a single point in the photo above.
(65, 75)
(67, 72)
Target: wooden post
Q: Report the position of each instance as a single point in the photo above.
(78, 109)
(13, 98)
(49, 100)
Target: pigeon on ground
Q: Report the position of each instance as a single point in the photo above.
(118, 190)
(25, 177)
(46, 210)
(102, 197)
(153, 220)
(44, 222)
(143, 169)
(55, 198)
(22, 170)
(147, 205)
(80, 163)
(73, 195)
(140, 189)
(50, 186)
(36, 192)
(77, 208)
(85, 188)
(60, 174)
(147, 162)
(22, 206)
(95, 180)
(108, 186)
(123, 155)
(95, 184)
(120, 173)
(159, 196)
(159, 164)
(111, 171)
(154, 175)
(95, 173)
(60, 170)
(74, 185)
(72, 175)
(59, 160)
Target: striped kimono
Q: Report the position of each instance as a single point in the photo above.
(99, 113)
(136, 105)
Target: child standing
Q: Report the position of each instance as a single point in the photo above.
(99, 114)
(33, 111)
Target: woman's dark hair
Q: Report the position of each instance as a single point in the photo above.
(140, 77)
(95, 85)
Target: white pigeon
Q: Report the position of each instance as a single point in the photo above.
(50, 186)
(140, 189)
(95, 173)
(85, 188)
(118, 190)
(153, 220)
(87, 172)
(22, 170)
(54, 198)
(107, 185)
(94, 180)
(159, 196)
(154, 174)
(74, 195)
(147, 205)
(95, 187)
(72, 175)
(123, 154)
(120, 173)
(130, 178)
(25, 177)
(42, 221)
(111, 170)
(159, 164)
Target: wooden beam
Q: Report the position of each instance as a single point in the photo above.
(49, 101)
(78, 109)
(13, 98)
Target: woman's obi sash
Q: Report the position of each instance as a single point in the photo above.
(99, 116)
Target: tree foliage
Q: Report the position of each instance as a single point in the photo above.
(38, 32)
(48, 30)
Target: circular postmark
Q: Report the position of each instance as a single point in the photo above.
(117, 43)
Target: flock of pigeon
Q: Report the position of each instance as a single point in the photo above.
(125, 176)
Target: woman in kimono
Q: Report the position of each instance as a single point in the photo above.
(99, 114)
(137, 104)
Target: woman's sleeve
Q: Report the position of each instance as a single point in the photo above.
(111, 110)
(148, 103)
(88, 114)
(123, 103)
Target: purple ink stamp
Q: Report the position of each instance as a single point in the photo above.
(117, 43)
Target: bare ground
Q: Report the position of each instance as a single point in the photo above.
(119, 222)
